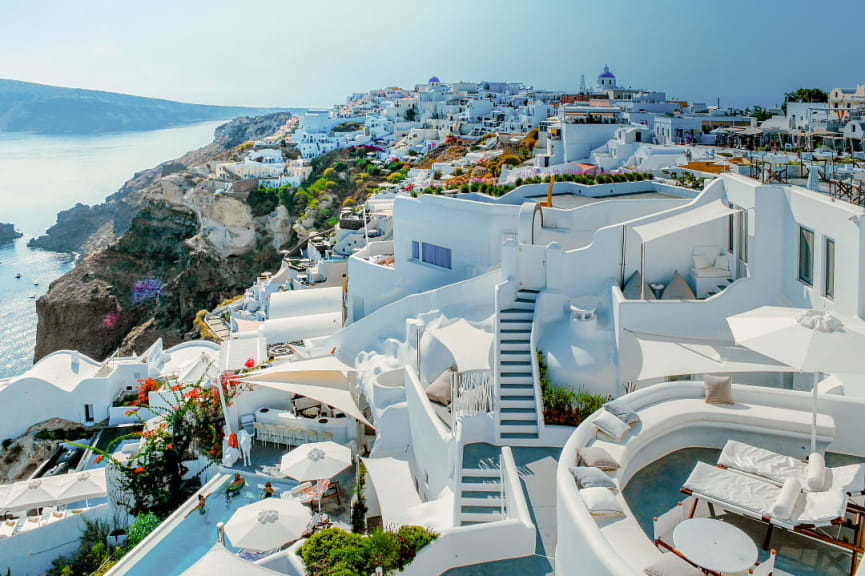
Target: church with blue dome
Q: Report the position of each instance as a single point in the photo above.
(434, 80)
(606, 79)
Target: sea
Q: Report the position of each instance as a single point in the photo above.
(41, 175)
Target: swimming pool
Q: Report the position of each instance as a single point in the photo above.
(184, 543)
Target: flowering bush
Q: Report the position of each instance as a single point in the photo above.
(190, 424)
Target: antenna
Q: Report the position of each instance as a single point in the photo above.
(582, 83)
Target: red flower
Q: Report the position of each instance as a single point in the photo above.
(169, 446)
(213, 450)
(250, 362)
(130, 412)
(139, 470)
(98, 459)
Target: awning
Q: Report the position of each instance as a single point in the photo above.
(683, 220)
(220, 562)
(326, 386)
(322, 363)
(469, 346)
(657, 356)
(394, 487)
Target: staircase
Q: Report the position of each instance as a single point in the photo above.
(518, 415)
(480, 485)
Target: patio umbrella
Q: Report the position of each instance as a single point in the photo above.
(220, 562)
(267, 524)
(30, 494)
(807, 340)
(316, 461)
(82, 486)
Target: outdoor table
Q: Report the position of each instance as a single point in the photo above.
(337, 427)
(715, 545)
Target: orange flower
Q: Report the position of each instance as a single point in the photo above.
(139, 470)
(98, 459)
(169, 446)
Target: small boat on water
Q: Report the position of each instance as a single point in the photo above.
(36, 282)
(18, 275)
(33, 295)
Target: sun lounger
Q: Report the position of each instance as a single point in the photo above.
(754, 497)
(778, 467)
(7, 528)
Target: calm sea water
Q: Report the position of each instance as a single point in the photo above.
(42, 175)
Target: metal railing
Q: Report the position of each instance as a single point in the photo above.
(471, 393)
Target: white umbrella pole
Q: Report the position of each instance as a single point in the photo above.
(218, 385)
(814, 415)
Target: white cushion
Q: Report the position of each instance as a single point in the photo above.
(601, 502)
(816, 478)
(785, 503)
(719, 389)
(701, 261)
(609, 424)
(722, 262)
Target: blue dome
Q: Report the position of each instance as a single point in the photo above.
(434, 80)
(606, 73)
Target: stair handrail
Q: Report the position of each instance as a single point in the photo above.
(536, 373)
(496, 368)
(458, 471)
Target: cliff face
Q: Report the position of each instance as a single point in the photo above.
(85, 229)
(8, 233)
(171, 247)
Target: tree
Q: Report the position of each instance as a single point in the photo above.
(804, 95)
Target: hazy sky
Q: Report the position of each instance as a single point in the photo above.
(313, 53)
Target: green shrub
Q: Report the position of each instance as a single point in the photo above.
(340, 166)
(143, 525)
(335, 551)
(263, 201)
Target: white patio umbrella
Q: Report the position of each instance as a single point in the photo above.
(316, 461)
(807, 340)
(82, 486)
(267, 524)
(30, 494)
(220, 562)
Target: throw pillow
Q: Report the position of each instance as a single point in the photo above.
(609, 424)
(597, 457)
(622, 411)
(589, 477)
(719, 389)
(601, 502)
(440, 390)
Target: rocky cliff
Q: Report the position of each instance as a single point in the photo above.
(185, 248)
(8, 233)
(85, 229)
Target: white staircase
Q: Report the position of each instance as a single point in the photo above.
(480, 496)
(517, 414)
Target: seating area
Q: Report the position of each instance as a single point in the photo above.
(710, 272)
(659, 420)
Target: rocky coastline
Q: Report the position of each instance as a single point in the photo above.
(156, 252)
(8, 233)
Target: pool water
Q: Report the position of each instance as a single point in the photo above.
(193, 536)
(656, 488)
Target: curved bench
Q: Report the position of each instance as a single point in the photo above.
(673, 415)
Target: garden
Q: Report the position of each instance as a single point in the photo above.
(564, 406)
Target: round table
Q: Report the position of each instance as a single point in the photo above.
(715, 545)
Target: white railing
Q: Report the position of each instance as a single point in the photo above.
(471, 393)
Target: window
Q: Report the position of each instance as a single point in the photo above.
(88, 413)
(829, 269)
(415, 250)
(806, 256)
(730, 230)
(436, 255)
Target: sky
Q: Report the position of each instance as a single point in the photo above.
(314, 53)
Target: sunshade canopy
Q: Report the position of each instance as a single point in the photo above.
(683, 220)
(657, 356)
(267, 524)
(220, 562)
(807, 340)
(316, 461)
(83, 486)
(469, 346)
(34, 493)
(394, 486)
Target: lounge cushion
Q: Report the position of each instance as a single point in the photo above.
(440, 390)
(591, 477)
(710, 272)
(609, 424)
(672, 565)
(702, 261)
(785, 504)
(621, 410)
(632, 288)
(601, 502)
(722, 262)
(816, 475)
(597, 457)
(678, 289)
(719, 389)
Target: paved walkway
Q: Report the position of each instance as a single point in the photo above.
(537, 470)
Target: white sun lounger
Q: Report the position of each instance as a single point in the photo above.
(749, 496)
(778, 467)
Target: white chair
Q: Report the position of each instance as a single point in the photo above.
(764, 568)
(247, 422)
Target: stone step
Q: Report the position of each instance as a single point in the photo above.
(515, 324)
(516, 378)
(513, 333)
(528, 291)
(521, 392)
(516, 404)
(518, 417)
(518, 436)
(521, 428)
(479, 473)
(510, 363)
(523, 304)
(489, 499)
(516, 355)
(482, 485)
(480, 517)
(521, 313)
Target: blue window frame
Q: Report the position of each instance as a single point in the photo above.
(436, 255)
(415, 250)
